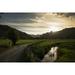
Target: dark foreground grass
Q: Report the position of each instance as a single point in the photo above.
(67, 52)
(35, 52)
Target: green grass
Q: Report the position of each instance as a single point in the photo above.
(27, 41)
(5, 43)
(20, 42)
(67, 51)
(36, 49)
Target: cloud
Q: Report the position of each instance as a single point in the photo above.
(37, 22)
(66, 14)
(19, 17)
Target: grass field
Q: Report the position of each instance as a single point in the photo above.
(38, 48)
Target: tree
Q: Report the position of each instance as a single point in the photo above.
(12, 36)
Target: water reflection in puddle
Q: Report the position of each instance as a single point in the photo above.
(51, 55)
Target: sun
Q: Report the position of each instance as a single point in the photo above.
(54, 27)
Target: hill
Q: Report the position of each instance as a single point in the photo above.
(4, 29)
(67, 33)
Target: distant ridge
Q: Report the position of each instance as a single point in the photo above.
(67, 33)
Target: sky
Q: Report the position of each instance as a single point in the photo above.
(38, 23)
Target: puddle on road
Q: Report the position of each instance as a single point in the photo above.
(51, 55)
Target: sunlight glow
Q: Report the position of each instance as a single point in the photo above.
(54, 27)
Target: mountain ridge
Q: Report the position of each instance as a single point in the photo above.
(67, 33)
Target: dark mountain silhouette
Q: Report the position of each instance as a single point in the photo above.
(67, 33)
(4, 30)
